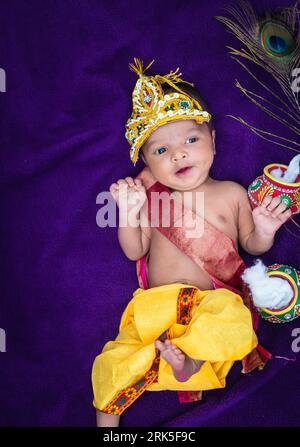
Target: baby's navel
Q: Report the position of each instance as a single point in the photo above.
(182, 281)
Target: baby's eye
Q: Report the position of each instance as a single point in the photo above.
(192, 139)
(159, 151)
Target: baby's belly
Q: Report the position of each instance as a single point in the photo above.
(167, 264)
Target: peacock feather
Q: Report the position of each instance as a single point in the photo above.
(272, 42)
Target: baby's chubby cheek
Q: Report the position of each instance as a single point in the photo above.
(162, 175)
(156, 168)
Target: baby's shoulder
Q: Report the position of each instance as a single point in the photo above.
(229, 185)
(232, 190)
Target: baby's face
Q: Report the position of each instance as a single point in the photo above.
(177, 145)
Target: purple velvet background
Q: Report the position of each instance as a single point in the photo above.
(65, 281)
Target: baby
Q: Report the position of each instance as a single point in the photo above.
(178, 149)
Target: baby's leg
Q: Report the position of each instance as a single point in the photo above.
(107, 420)
(183, 366)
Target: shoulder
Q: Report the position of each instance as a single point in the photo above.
(235, 188)
(237, 191)
(235, 194)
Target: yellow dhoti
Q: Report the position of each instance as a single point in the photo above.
(210, 325)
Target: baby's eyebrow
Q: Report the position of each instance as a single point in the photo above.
(148, 145)
(194, 129)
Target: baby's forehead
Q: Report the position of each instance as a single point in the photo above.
(180, 124)
(180, 127)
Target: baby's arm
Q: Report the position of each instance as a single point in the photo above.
(130, 196)
(257, 227)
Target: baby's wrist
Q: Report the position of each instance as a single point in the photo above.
(129, 218)
(264, 234)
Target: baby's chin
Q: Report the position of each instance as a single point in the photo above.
(182, 184)
(179, 186)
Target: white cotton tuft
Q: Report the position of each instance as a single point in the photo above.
(292, 172)
(267, 291)
(277, 173)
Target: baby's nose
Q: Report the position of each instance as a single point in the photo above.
(178, 156)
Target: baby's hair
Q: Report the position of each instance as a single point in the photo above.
(194, 93)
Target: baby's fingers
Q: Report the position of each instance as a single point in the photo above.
(113, 188)
(285, 215)
(275, 202)
(122, 183)
(279, 209)
(138, 182)
(130, 181)
(266, 201)
(139, 185)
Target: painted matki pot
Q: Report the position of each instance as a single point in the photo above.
(267, 185)
(292, 310)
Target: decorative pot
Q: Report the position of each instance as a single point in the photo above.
(292, 310)
(267, 185)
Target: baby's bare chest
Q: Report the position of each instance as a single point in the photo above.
(217, 210)
(223, 217)
(167, 263)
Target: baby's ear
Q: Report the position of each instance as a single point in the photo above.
(213, 135)
(143, 158)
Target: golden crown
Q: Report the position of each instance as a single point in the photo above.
(151, 108)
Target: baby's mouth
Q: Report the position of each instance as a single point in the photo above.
(184, 171)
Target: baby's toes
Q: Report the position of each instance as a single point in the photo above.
(159, 345)
(177, 351)
(180, 356)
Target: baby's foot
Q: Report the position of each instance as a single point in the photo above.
(183, 366)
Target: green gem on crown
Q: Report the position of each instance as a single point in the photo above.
(170, 107)
(184, 104)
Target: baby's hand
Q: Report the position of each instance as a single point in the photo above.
(129, 193)
(270, 215)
